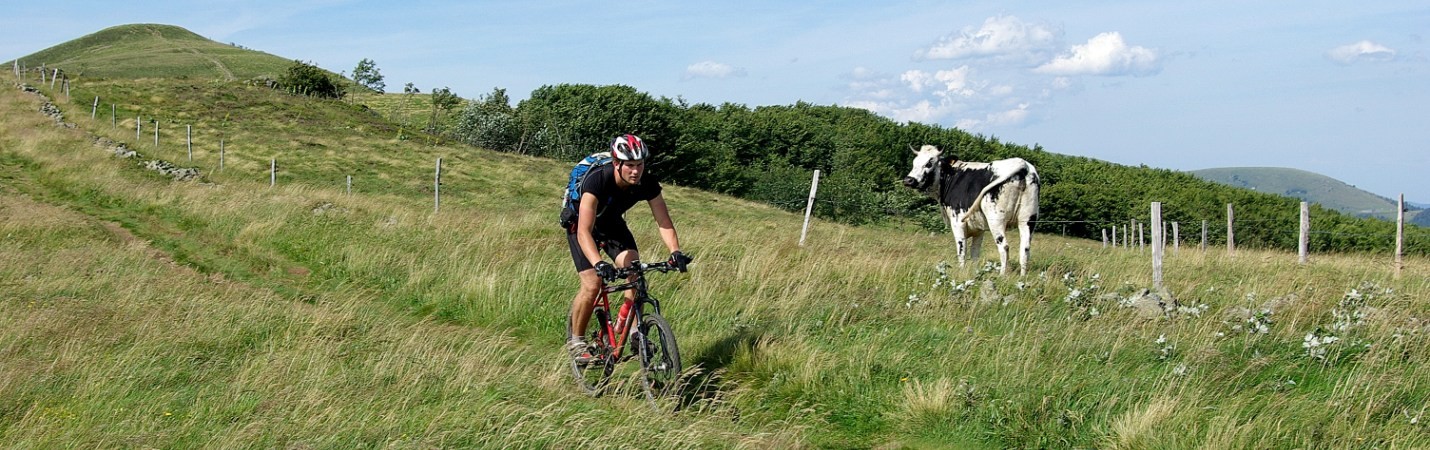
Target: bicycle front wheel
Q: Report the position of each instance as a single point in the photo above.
(659, 355)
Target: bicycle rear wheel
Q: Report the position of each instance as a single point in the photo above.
(592, 376)
(659, 355)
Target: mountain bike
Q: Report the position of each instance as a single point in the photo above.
(638, 331)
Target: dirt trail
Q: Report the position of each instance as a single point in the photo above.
(227, 74)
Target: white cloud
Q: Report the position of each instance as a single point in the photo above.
(712, 69)
(941, 96)
(946, 82)
(916, 80)
(999, 36)
(955, 82)
(1015, 116)
(921, 111)
(863, 73)
(1360, 51)
(1104, 54)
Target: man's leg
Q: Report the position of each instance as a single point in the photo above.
(582, 303)
(624, 259)
(585, 298)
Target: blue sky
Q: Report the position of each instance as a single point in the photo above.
(1334, 87)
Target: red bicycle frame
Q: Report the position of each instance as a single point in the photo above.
(619, 329)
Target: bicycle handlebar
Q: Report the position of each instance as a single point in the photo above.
(638, 268)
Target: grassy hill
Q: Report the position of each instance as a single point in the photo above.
(155, 51)
(412, 112)
(222, 312)
(1308, 186)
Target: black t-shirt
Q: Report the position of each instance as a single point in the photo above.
(612, 202)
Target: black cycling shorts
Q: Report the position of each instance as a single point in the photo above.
(613, 240)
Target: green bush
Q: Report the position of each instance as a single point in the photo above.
(307, 79)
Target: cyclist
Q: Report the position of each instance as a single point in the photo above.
(607, 192)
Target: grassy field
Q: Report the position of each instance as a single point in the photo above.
(224, 312)
(411, 112)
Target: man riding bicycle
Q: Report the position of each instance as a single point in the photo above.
(607, 192)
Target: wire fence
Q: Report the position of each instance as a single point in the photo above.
(791, 195)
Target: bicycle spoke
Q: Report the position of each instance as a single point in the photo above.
(660, 358)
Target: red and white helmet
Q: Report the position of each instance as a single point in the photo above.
(628, 147)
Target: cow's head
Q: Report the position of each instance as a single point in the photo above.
(925, 161)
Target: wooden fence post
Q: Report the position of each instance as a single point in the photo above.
(350, 185)
(113, 116)
(156, 132)
(1304, 243)
(1230, 236)
(1141, 238)
(1176, 238)
(437, 187)
(1127, 234)
(189, 136)
(272, 172)
(220, 154)
(1204, 235)
(94, 109)
(1104, 238)
(809, 207)
(1114, 236)
(137, 127)
(1157, 245)
(1400, 236)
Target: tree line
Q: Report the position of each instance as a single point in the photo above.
(767, 154)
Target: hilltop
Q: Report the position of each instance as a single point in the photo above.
(1308, 186)
(155, 51)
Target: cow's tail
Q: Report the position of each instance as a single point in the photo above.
(978, 201)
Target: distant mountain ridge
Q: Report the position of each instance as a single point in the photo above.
(1311, 187)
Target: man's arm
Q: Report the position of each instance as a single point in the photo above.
(585, 220)
(662, 221)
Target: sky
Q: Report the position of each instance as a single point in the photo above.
(1338, 88)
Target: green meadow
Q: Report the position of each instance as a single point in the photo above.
(258, 309)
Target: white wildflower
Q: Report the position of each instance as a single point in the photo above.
(1181, 370)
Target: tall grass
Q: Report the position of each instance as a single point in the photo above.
(243, 315)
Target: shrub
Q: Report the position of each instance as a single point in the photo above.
(307, 79)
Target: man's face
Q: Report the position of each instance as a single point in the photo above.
(632, 171)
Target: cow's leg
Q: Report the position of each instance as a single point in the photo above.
(1000, 239)
(1025, 246)
(960, 238)
(960, 242)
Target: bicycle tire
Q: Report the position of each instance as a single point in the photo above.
(659, 355)
(592, 377)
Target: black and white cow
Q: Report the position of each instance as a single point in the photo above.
(978, 197)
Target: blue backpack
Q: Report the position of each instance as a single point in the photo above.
(572, 197)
